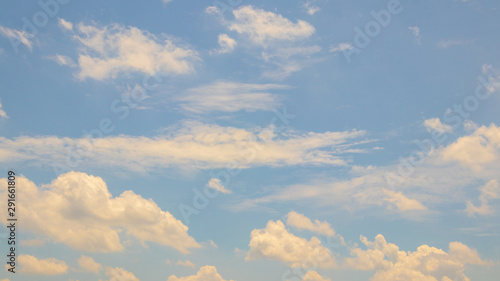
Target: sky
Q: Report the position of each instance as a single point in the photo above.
(314, 140)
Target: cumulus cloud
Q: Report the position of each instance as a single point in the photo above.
(120, 274)
(434, 124)
(278, 36)
(225, 96)
(226, 43)
(206, 273)
(314, 276)
(277, 243)
(88, 264)
(263, 27)
(192, 145)
(2, 112)
(217, 185)
(77, 209)
(32, 265)
(300, 221)
(16, 37)
(475, 150)
(108, 51)
(489, 191)
(64, 24)
(426, 263)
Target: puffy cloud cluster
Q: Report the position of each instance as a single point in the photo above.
(50, 266)
(77, 209)
(107, 51)
(88, 264)
(263, 27)
(120, 274)
(277, 243)
(489, 191)
(206, 273)
(426, 263)
(476, 150)
(300, 221)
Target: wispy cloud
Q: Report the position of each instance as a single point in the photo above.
(191, 146)
(340, 47)
(2, 112)
(443, 44)
(225, 96)
(416, 33)
(14, 34)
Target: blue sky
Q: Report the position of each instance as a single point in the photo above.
(252, 140)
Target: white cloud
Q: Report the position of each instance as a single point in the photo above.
(476, 150)
(227, 96)
(108, 51)
(434, 124)
(120, 274)
(31, 265)
(88, 264)
(402, 202)
(192, 145)
(361, 191)
(276, 34)
(217, 185)
(300, 221)
(341, 47)
(425, 264)
(63, 60)
(206, 273)
(2, 112)
(226, 43)
(186, 263)
(416, 33)
(310, 8)
(314, 276)
(17, 35)
(33, 243)
(489, 191)
(65, 24)
(443, 44)
(77, 209)
(263, 27)
(277, 243)
(470, 126)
